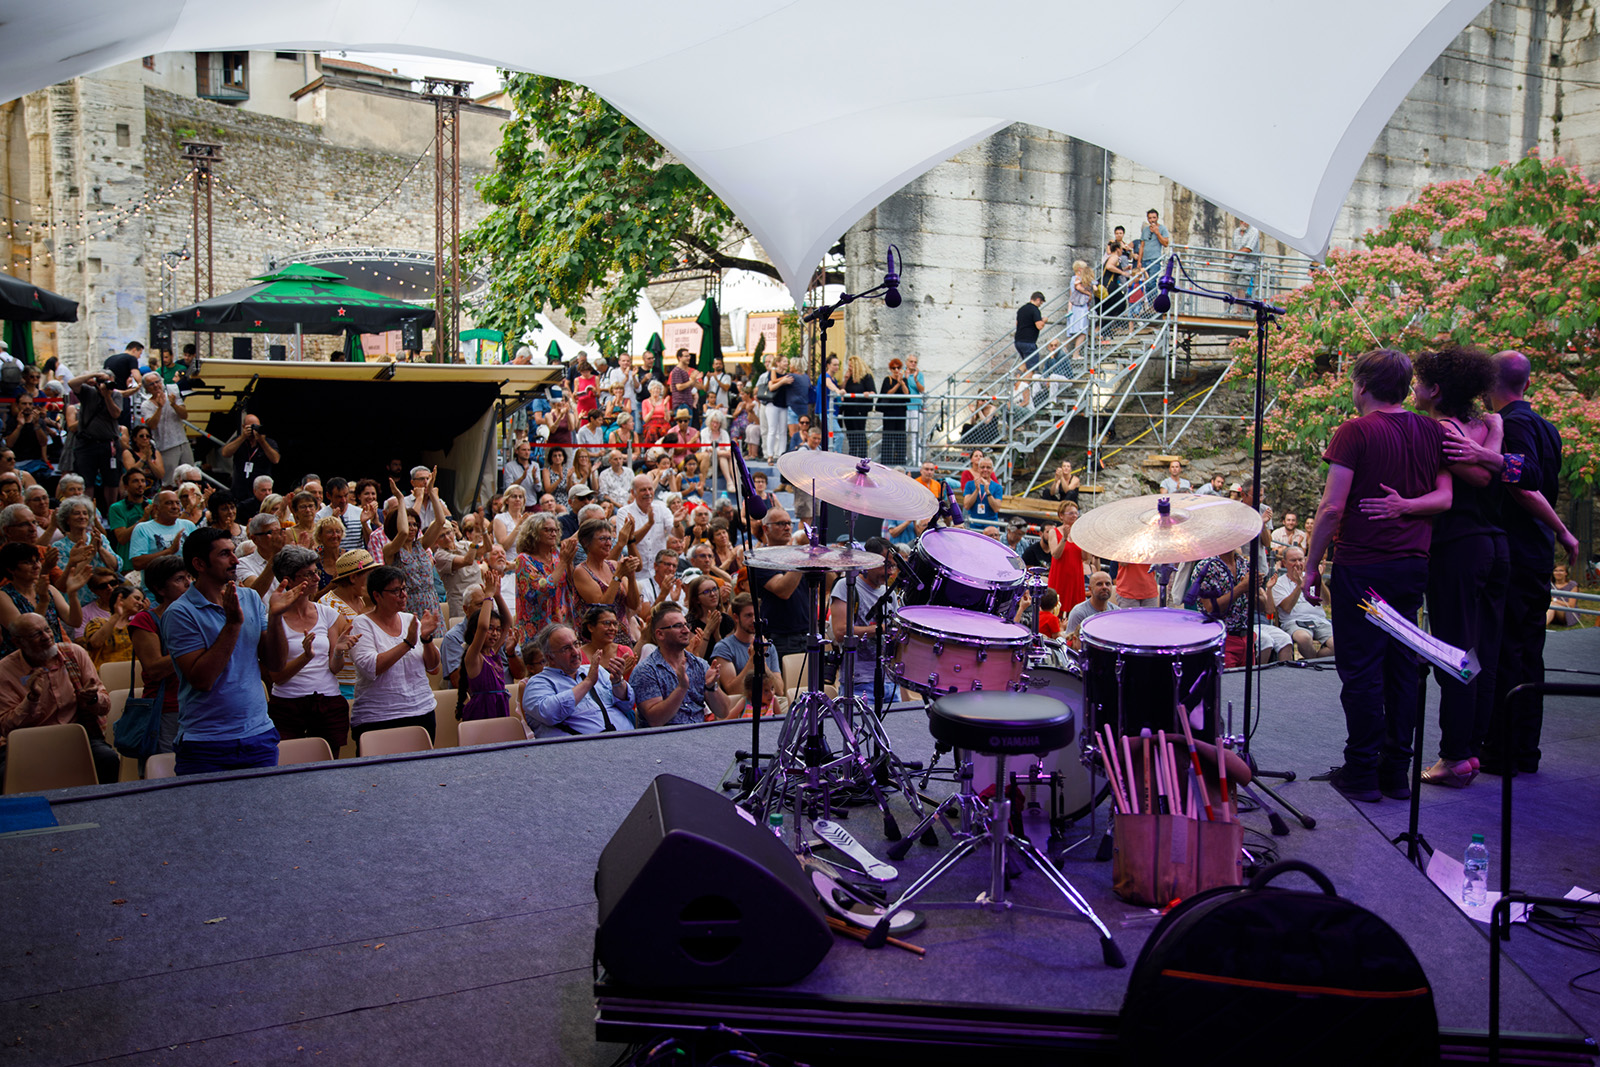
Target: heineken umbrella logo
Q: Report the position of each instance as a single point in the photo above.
(258, 322)
(341, 313)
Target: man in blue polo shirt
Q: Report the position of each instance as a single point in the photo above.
(220, 637)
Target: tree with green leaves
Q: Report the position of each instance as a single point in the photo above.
(1509, 259)
(582, 201)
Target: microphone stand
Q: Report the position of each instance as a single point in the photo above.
(1265, 315)
(758, 642)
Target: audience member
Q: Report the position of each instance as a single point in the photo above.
(571, 697)
(221, 638)
(1099, 600)
(44, 681)
(672, 686)
(1306, 623)
(394, 653)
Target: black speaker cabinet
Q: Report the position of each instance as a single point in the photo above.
(693, 894)
(411, 335)
(243, 348)
(160, 333)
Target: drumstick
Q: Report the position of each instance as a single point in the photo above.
(1149, 797)
(1127, 757)
(1162, 802)
(1222, 782)
(1194, 760)
(1161, 774)
(1113, 772)
(1187, 810)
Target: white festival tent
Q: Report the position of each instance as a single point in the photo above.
(839, 104)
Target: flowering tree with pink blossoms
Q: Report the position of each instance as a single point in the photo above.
(1510, 259)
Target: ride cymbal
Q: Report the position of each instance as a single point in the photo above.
(1138, 530)
(859, 486)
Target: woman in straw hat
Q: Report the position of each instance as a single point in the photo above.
(348, 596)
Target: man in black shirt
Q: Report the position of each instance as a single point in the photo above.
(254, 454)
(1029, 319)
(787, 601)
(95, 453)
(1529, 464)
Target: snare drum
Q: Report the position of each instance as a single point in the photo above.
(1139, 663)
(949, 650)
(960, 568)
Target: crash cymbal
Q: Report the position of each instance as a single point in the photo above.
(859, 486)
(812, 558)
(1137, 530)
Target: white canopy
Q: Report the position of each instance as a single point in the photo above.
(839, 104)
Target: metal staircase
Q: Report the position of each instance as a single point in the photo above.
(1126, 367)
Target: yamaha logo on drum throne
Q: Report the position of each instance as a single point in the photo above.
(997, 741)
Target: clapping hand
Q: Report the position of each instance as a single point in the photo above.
(430, 623)
(307, 641)
(617, 668)
(343, 636)
(232, 612)
(411, 632)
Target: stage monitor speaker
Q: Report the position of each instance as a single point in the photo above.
(160, 333)
(278, 353)
(243, 348)
(693, 893)
(411, 335)
(858, 528)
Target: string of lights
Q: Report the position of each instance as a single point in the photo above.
(103, 225)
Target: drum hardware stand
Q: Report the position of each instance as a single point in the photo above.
(1164, 573)
(996, 832)
(1265, 315)
(804, 768)
(751, 774)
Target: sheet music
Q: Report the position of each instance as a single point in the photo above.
(1463, 664)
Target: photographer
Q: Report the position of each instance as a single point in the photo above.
(253, 452)
(29, 436)
(95, 455)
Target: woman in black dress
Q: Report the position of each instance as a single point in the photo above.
(855, 407)
(893, 406)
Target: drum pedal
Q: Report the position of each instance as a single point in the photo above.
(836, 836)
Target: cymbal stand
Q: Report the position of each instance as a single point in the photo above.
(804, 772)
(1265, 315)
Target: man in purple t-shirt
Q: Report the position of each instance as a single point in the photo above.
(1388, 462)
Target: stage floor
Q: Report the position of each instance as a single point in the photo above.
(442, 908)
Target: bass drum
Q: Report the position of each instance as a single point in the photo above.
(1140, 663)
(1065, 765)
(956, 568)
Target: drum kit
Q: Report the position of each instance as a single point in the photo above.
(953, 629)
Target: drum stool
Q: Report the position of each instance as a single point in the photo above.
(1000, 725)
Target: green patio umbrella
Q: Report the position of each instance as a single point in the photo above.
(655, 344)
(23, 303)
(356, 353)
(710, 324)
(298, 299)
(553, 353)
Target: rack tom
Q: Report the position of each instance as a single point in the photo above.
(937, 650)
(958, 568)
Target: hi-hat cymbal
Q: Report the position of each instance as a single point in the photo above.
(1137, 530)
(859, 486)
(812, 558)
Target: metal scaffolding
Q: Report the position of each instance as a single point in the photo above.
(447, 97)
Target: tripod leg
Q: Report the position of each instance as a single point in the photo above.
(1305, 820)
(880, 933)
(1108, 946)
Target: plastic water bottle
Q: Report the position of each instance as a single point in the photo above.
(775, 824)
(1475, 882)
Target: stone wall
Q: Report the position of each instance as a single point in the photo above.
(983, 230)
(102, 156)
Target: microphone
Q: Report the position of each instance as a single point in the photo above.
(956, 518)
(755, 506)
(891, 279)
(1161, 303)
